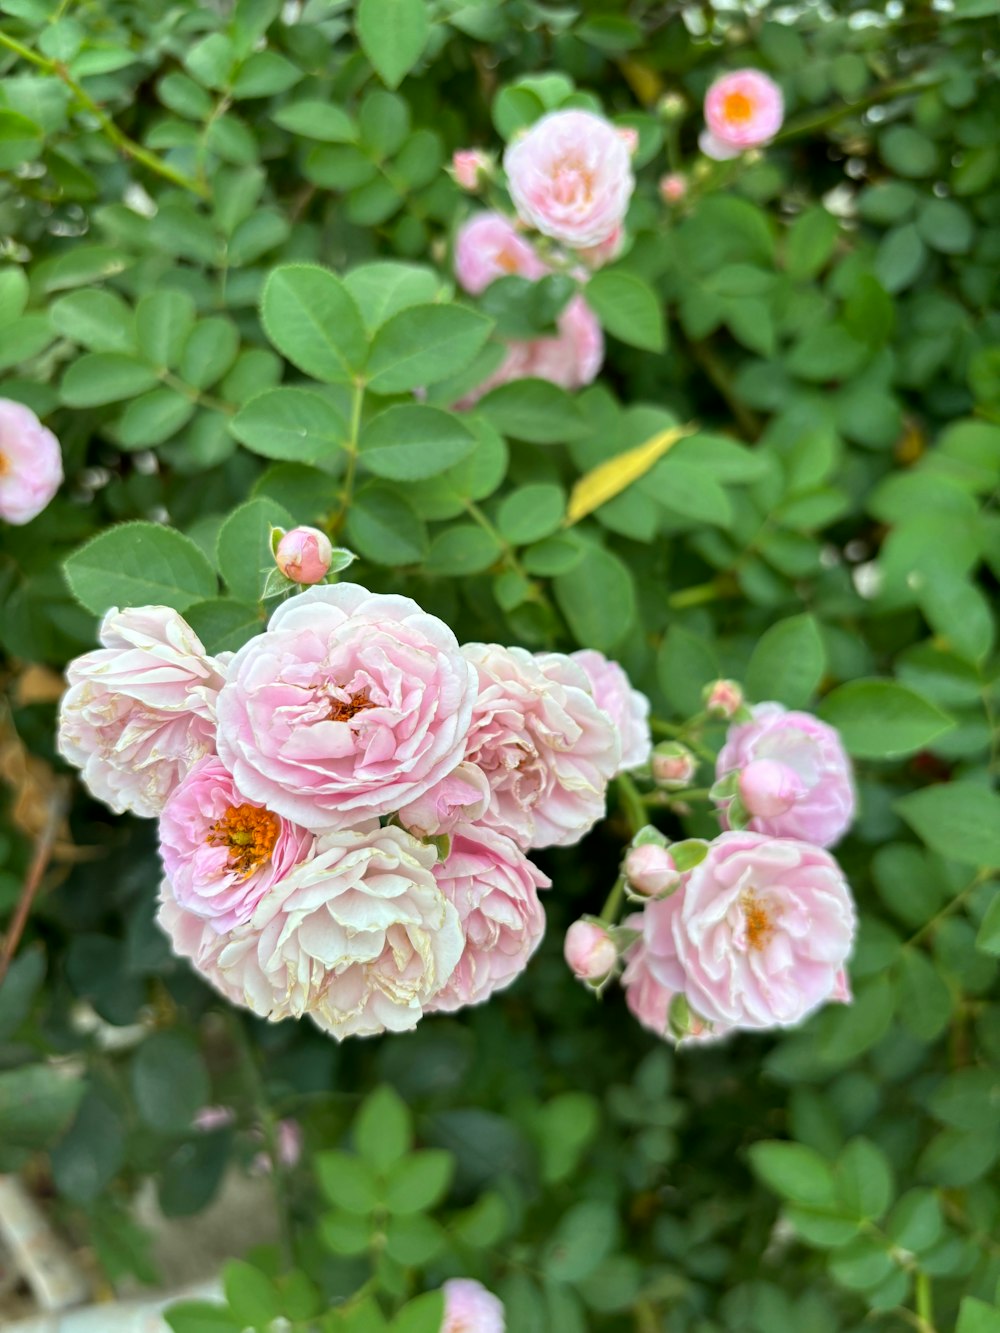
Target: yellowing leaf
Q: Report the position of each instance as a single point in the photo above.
(609, 479)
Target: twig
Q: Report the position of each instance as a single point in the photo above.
(44, 845)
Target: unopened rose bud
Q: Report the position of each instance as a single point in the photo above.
(470, 167)
(589, 951)
(630, 137)
(673, 188)
(650, 869)
(671, 106)
(304, 555)
(768, 787)
(673, 765)
(723, 698)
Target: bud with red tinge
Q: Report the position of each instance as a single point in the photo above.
(470, 167)
(304, 555)
(673, 765)
(723, 698)
(673, 188)
(650, 870)
(589, 951)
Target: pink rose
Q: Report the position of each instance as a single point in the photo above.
(743, 109)
(469, 166)
(463, 797)
(351, 705)
(221, 852)
(546, 748)
(470, 1308)
(650, 869)
(762, 931)
(494, 888)
(140, 712)
(570, 177)
(31, 468)
(304, 555)
(589, 951)
(627, 708)
(805, 790)
(488, 247)
(652, 977)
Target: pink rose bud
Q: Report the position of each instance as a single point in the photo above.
(743, 109)
(650, 869)
(469, 167)
(723, 698)
(673, 188)
(304, 555)
(769, 787)
(30, 464)
(630, 137)
(589, 951)
(673, 765)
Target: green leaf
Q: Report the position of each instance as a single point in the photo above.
(534, 410)
(244, 552)
(224, 625)
(423, 344)
(37, 1102)
(975, 1316)
(384, 288)
(348, 1181)
(96, 319)
(21, 140)
(410, 442)
(163, 321)
(169, 1082)
(383, 528)
(628, 307)
(105, 377)
(88, 1157)
(584, 1237)
(861, 1264)
(907, 152)
(961, 820)
(531, 513)
(139, 564)
(311, 318)
(988, 935)
(864, 1184)
(414, 1241)
(419, 1181)
(878, 719)
(251, 1294)
(794, 1171)
(597, 597)
(915, 1222)
(13, 294)
(685, 663)
(900, 258)
(210, 350)
(924, 998)
(946, 226)
(810, 243)
(313, 119)
(346, 1234)
(200, 1317)
(20, 986)
(393, 34)
(688, 489)
(263, 74)
(424, 1314)
(297, 425)
(383, 1129)
(153, 418)
(787, 663)
(463, 548)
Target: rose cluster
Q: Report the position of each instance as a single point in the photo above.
(346, 804)
(752, 930)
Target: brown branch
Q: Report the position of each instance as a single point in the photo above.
(44, 846)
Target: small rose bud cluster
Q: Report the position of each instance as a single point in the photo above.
(352, 745)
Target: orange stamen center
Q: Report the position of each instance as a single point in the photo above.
(758, 923)
(342, 710)
(250, 834)
(737, 106)
(508, 261)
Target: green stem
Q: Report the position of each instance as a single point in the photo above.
(630, 799)
(925, 1307)
(948, 908)
(810, 124)
(683, 794)
(354, 433)
(699, 593)
(613, 905)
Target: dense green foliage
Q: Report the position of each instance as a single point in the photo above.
(224, 267)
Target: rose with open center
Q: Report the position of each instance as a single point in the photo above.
(352, 704)
(743, 109)
(489, 247)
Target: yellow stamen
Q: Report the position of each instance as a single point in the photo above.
(250, 834)
(737, 106)
(758, 923)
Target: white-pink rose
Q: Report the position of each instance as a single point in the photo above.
(221, 852)
(762, 931)
(570, 177)
(653, 974)
(461, 798)
(743, 109)
(545, 746)
(627, 708)
(488, 247)
(494, 888)
(470, 1308)
(31, 468)
(140, 711)
(352, 704)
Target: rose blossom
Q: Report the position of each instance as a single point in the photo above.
(494, 887)
(806, 790)
(462, 797)
(743, 109)
(545, 746)
(469, 166)
(652, 976)
(762, 931)
(31, 468)
(570, 177)
(470, 1308)
(221, 852)
(352, 704)
(304, 555)
(627, 708)
(140, 712)
(488, 247)
(589, 951)
(358, 936)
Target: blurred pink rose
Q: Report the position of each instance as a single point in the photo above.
(214, 1117)
(140, 712)
(462, 797)
(627, 708)
(469, 166)
(31, 468)
(806, 790)
(470, 1308)
(488, 247)
(494, 887)
(673, 187)
(761, 931)
(304, 555)
(743, 109)
(221, 852)
(589, 951)
(545, 746)
(352, 704)
(570, 177)
(723, 698)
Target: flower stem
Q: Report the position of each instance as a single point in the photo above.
(631, 802)
(613, 903)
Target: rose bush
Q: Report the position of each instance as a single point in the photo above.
(641, 362)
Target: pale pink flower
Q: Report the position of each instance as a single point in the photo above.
(673, 187)
(762, 931)
(31, 468)
(652, 976)
(673, 765)
(352, 704)
(589, 951)
(140, 711)
(570, 177)
(463, 797)
(806, 790)
(222, 852)
(743, 109)
(488, 247)
(494, 887)
(649, 868)
(469, 166)
(545, 746)
(723, 698)
(470, 1308)
(628, 708)
(304, 555)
